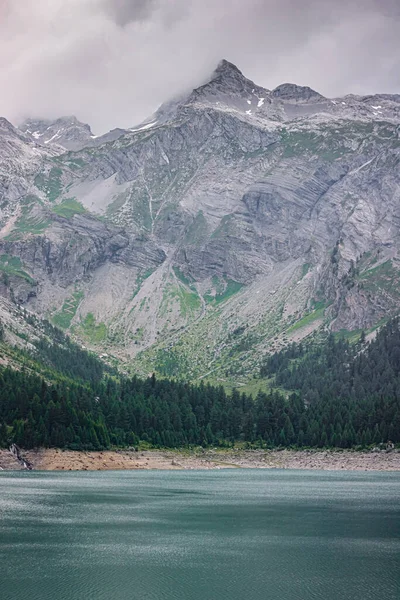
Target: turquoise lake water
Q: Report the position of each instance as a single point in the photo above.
(200, 535)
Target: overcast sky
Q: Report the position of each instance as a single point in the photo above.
(112, 62)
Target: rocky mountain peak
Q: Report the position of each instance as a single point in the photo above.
(227, 69)
(6, 126)
(290, 92)
(226, 89)
(71, 120)
(66, 131)
(381, 97)
(228, 79)
(9, 132)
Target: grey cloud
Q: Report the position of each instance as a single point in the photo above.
(125, 12)
(112, 62)
(128, 11)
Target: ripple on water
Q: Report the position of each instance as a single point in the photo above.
(200, 535)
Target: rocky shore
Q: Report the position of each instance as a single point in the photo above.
(67, 460)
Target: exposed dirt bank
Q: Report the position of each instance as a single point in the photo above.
(59, 460)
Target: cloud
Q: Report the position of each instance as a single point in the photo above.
(128, 11)
(112, 62)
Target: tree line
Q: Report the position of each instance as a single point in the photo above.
(329, 394)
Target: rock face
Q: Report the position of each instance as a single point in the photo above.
(290, 92)
(20, 159)
(67, 132)
(232, 221)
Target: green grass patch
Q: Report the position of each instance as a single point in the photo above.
(76, 163)
(94, 332)
(63, 318)
(142, 276)
(28, 223)
(384, 268)
(232, 288)
(189, 301)
(139, 334)
(51, 184)
(318, 304)
(330, 143)
(305, 269)
(12, 266)
(30, 199)
(351, 336)
(309, 318)
(382, 277)
(68, 208)
(354, 335)
(139, 203)
(224, 289)
(181, 276)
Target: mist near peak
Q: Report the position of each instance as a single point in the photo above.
(113, 62)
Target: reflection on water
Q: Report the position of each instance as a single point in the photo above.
(194, 535)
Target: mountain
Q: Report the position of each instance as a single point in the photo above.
(67, 132)
(232, 222)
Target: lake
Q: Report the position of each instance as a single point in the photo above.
(200, 535)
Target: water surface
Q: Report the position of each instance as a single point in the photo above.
(200, 535)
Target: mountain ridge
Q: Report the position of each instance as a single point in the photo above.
(236, 221)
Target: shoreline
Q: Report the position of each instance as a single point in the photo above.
(328, 460)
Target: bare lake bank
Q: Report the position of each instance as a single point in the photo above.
(67, 460)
